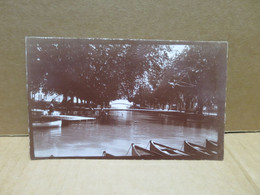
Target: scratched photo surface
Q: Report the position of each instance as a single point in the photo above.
(126, 99)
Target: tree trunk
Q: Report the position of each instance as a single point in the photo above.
(200, 105)
(65, 99)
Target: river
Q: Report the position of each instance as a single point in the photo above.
(115, 135)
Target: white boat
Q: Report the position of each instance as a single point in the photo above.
(56, 123)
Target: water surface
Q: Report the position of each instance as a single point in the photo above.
(116, 134)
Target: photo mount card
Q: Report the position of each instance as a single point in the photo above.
(126, 99)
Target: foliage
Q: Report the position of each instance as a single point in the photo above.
(147, 74)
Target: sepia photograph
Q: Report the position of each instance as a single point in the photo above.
(126, 99)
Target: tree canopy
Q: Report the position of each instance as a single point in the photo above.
(145, 73)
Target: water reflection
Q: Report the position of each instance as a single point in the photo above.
(116, 133)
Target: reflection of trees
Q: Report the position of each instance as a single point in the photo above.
(145, 74)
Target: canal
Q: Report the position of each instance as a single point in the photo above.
(115, 134)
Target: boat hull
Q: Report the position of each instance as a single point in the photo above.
(211, 145)
(198, 152)
(167, 151)
(46, 124)
(142, 152)
(105, 154)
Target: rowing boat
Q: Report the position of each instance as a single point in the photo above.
(142, 152)
(211, 145)
(168, 151)
(47, 124)
(105, 154)
(197, 150)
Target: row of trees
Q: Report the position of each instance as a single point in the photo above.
(146, 74)
(189, 79)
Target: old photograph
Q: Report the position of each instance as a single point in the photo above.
(126, 99)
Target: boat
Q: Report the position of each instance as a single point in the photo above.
(142, 152)
(68, 119)
(168, 151)
(198, 151)
(105, 154)
(47, 124)
(211, 145)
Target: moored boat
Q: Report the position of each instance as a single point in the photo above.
(198, 151)
(68, 119)
(105, 154)
(167, 151)
(211, 145)
(47, 124)
(142, 152)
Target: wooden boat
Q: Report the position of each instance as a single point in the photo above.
(168, 151)
(68, 119)
(47, 124)
(211, 145)
(142, 152)
(197, 150)
(105, 154)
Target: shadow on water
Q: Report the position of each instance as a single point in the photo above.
(168, 119)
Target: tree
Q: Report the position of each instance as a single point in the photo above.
(104, 71)
(78, 68)
(195, 73)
